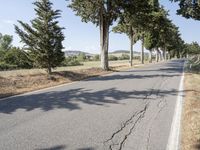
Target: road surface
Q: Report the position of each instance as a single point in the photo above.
(128, 110)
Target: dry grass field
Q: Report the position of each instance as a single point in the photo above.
(191, 113)
(86, 65)
(21, 81)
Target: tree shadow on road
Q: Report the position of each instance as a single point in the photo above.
(71, 99)
(60, 147)
(197, 146)
(89, 148)
(131, 76)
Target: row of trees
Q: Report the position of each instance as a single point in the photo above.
(139, 20)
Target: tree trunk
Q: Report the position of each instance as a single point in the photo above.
(131, 47)
(165, 54)
(170, 56)
(150, 56)
(104, 40)
(187, 55)
(142, 52)
(49, 70)
(157, 55)
(160, 55)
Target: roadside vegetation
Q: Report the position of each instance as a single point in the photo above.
(41, 62)
(43, 37)
(191, 112)
(25, 80)
(190, 135)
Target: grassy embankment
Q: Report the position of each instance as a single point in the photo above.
(191, 112)
(21, 81)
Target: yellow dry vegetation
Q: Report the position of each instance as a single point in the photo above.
(191, 113)
(21, 81)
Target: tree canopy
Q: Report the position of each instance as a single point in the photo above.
(44, 36)
(5, 41)
(189, 8)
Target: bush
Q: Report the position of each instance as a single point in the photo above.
(2, 54)
(4, 66)
(19, 58)
(124, 57)
(194, 63)
(112, 57)
(96, 58)
(71, 61)
(81, 57)
(136, 57)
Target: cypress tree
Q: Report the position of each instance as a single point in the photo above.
(43, 38)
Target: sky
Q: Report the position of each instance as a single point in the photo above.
(85, 36)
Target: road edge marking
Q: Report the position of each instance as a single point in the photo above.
(174, 137)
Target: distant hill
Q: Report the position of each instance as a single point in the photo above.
(120, 51)
(76, 53)
(123, 51)
(117, 53)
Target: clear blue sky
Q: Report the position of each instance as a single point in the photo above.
(82, 36)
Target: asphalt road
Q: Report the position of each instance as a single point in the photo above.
(128, 110)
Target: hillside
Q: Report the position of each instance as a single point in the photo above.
(120, 51)
(75, 53)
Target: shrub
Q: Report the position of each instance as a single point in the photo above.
(136, 57)
(71, 61)
(2, 54)
(4, 66)
(112, 57)
(194, 63)
(19, 58)
(96, 58)
(124, 57)
(81, 57)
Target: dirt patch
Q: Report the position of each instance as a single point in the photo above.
(191, 114)
(13, 85)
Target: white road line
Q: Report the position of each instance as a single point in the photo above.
(174, 137)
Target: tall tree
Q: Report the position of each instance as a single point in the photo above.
(150, 37)
(189, 8)
(134, 19)
(150, 42)
(102, 13)
(5, 42)
(44, 36)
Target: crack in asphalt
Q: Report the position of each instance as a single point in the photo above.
(124, 126)
(140, 114)
(161, 107)
(129, 121)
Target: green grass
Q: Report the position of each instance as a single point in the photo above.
(85, 65)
